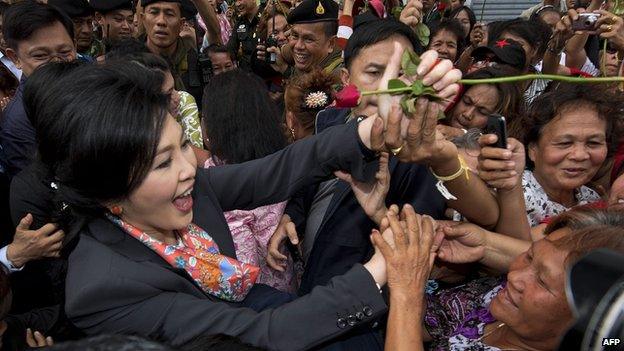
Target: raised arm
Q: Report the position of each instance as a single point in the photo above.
(409, 257)
(502, 170)
(278, 176)
(127, 301)
(209, 15)
(467, 242)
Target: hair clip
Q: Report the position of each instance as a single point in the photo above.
(315, 100)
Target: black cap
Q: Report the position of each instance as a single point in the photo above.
(104, 6)
(312, 11)
(188, 9)
(504, 51)
(73, 8)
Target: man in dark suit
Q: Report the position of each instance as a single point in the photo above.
(335, 228)
(35, 34)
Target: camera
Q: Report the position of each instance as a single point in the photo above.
(595, 290)
(271, 42)
(586, 22)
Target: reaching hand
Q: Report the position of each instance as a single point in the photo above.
(501, 168)
(30, 245)
(563, 29)
(463, 243)
(414, 138)
(285, 229)
(280, 65)
(611, 27)
(372, 196)
(188, 32)
(410, 257)
(478, 35)
(36, 339)
(411, 14)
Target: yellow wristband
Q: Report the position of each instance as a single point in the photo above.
(463, 169)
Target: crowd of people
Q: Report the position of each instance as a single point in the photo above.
(196, 174)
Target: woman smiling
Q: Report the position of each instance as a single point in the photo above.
(154, 255)
(567, 134)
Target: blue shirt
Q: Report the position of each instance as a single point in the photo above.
(17, 135)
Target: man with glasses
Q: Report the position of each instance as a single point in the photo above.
(35, 34)
(81, 14)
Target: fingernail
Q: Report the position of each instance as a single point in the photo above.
(507, 154)
(513, 173)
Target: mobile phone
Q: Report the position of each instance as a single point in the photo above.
(496, 124)
(586, 22)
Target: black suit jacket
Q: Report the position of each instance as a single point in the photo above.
(342, 239)
(115, 284)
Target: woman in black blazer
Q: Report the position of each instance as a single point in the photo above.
(110, 148)
(110, 145)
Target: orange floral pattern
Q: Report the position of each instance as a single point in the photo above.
(198, 254)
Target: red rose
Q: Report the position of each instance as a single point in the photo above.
(348, 97)
(441, 7)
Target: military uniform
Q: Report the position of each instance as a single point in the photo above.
(185, 63)
(74, 9)
(315, 11)
(244, 40)
(104, 7)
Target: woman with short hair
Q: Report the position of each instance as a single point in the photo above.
(567, 134)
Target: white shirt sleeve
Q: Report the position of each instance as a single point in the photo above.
(6, 263)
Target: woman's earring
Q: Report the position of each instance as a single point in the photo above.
(116, 210)
(292, 133)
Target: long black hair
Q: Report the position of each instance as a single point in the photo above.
(471, 18)
(240, 120)
(98, 134)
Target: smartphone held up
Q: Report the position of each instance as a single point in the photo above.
(496, 124)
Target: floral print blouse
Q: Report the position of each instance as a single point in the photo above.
(539, 208)
(251, 231)
(456, 317)
(188, 117)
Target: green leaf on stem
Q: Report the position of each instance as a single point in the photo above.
(396, 12)
(417, 88)
(408, 105)
(423, 33)
(408, 65)
(396, 84)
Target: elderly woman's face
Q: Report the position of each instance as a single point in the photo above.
(570, 150)
(163, 202)
(445, 43)
(534, 304)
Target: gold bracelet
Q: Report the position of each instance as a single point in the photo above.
(463, 169)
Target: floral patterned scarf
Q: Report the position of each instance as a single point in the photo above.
(196, 253)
